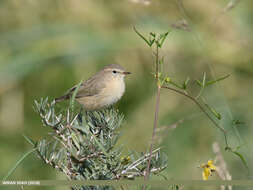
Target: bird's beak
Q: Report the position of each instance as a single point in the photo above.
(126, 73)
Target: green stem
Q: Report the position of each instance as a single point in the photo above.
(156, 115)
(202, 109)
(157, 63)
(154, 130)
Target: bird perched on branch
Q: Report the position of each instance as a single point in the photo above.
(101, 90)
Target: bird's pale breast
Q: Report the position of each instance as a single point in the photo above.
(110, 94)
(113, 91)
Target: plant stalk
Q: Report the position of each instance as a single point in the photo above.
(202, 109)
(146, 177)
(154, 130)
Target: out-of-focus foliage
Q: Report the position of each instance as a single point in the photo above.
(48, 46)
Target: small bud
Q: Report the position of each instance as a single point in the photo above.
(167, 79)
(152, 34)
(125, 160)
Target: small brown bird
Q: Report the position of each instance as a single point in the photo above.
(101, 90)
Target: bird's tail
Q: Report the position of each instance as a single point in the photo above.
(59, 99)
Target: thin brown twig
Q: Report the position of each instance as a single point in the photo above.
(201, 108)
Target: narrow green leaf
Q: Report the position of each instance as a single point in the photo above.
(83, 129)
(151, 42)
(152, 34)
(100, 145)
(59, 156)
(199, 83)
(75, 140)
(72, 100)
(219, 79)
(238, 122)
(45, 101)
(186, 83)
(42, 147)
(139, 34)
(48, 115)
(204, 80)
(54, 146)
(242, 158)
(18, 162)
(217, 114)
(151, 39)
(37, 105)
(214, 112)
(29, 140)
(163, 37)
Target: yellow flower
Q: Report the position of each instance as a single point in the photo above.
(125, 160)
(167, 79)
(209, 168)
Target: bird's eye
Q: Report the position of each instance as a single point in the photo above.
(114, 71)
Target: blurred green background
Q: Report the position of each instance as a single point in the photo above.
(48, 46)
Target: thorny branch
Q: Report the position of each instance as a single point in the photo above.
(85, 149)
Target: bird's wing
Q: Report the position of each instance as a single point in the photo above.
(90, 87)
